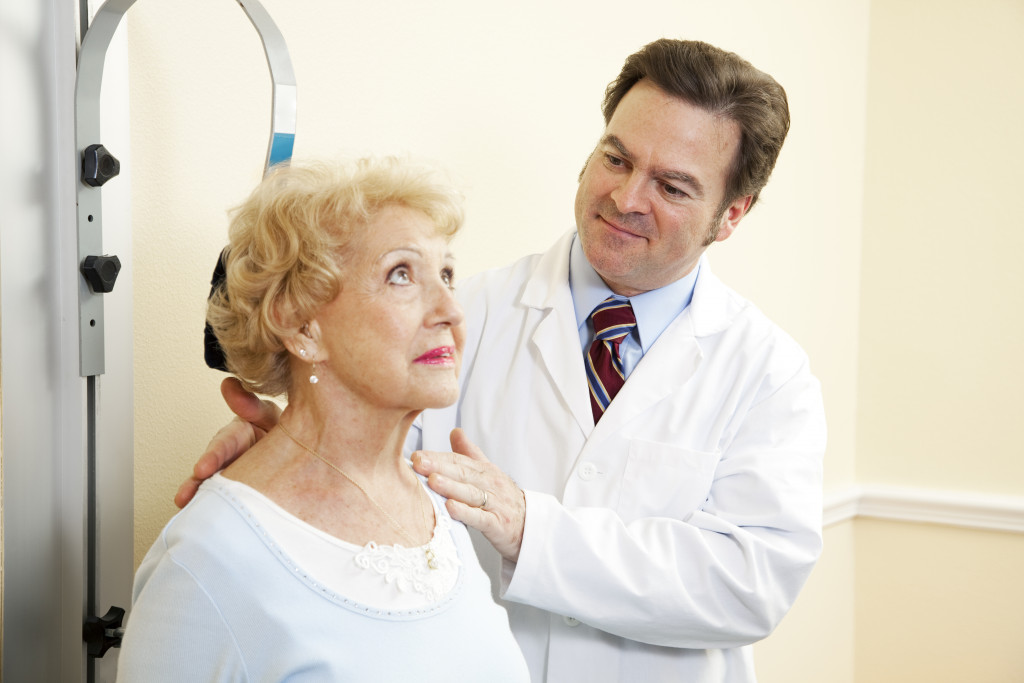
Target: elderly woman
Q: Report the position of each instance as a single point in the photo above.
(320, 555)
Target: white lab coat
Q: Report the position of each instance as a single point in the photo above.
(663, 541)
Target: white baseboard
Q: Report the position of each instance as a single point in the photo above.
(951, 508)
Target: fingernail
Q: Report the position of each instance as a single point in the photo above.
(425, 462)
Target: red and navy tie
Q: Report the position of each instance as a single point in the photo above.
(613, 319)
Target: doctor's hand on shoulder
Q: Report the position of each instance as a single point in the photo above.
(254, 418)
(479, 494)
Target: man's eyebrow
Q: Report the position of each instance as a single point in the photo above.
(617, 144)
(679, 176)
(685, 178)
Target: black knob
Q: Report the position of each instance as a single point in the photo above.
(101, 272)
(102, 633)
(98, 165)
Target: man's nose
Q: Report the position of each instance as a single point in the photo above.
(631, 195)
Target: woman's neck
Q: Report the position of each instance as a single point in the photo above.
(367, 443)
(337, 466)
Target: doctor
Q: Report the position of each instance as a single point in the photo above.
(656, 535)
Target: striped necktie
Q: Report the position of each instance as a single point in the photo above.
(613, 319)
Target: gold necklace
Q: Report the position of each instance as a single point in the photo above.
(431, 558)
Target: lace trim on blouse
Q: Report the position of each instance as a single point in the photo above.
(409, 569)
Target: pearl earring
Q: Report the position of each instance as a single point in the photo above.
(313, 379)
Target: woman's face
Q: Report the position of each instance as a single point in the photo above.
(394, 335)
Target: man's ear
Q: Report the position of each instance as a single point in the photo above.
(731, 217)
(305, 344)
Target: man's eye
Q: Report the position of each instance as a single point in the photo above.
(674, 191)
(613, 160)
(399, 275)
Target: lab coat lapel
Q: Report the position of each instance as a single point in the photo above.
(669, 364)
(556, 338)
(674, 358)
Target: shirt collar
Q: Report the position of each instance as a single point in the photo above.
(654, 310)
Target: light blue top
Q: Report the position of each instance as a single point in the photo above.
(216, 599)
(654, 310)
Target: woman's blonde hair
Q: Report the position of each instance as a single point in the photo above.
(286, 248)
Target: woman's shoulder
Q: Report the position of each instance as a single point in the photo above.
(209, 508)
(211, 530)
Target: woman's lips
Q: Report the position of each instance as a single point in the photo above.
(442, 355)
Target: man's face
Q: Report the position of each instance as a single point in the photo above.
(649, 199)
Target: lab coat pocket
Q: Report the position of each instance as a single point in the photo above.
(663, 480)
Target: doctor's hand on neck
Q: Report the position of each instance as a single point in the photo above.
(479, 494)
(254, 418)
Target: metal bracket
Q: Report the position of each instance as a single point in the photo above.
(91, 58)
(102, 633)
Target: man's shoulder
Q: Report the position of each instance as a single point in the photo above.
(505, 282)
(723, 314)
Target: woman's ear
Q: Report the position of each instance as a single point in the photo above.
(305, 344)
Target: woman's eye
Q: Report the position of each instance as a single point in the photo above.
(448, 277)
(399, 275)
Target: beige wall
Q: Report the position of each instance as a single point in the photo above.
(938, 605)
(942, 329)
(942, 321)
(507, 97)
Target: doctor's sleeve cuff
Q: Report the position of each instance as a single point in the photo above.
(516, 579)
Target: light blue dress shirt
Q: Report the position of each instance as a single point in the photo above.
(654, 310)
